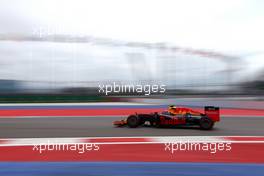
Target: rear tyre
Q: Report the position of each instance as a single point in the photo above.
(133, 121)
(206, 123)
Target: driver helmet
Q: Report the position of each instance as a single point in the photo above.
(172, 107)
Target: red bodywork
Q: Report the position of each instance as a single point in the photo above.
(172, 121)
(213, 113)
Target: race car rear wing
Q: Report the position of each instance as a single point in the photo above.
(212, 112)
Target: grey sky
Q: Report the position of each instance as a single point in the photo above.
(233, 27)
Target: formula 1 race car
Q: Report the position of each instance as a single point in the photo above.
(174, 116)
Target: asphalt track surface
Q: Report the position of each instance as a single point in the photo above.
(49, 127)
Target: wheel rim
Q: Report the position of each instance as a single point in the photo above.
(206, 123)
(132, 121)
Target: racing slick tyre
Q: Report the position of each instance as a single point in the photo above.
(206, 123)
(133, 121)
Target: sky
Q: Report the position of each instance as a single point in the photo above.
(230, 26)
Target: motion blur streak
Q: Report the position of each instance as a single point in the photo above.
(130, 168)
(241, 151)
(107, 109)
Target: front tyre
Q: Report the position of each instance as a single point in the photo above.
(206, 123)
(133, 121)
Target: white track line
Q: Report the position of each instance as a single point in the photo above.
(149, 140)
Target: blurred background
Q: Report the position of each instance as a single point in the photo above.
(62, 50)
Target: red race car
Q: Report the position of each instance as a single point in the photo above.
(174, 116)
